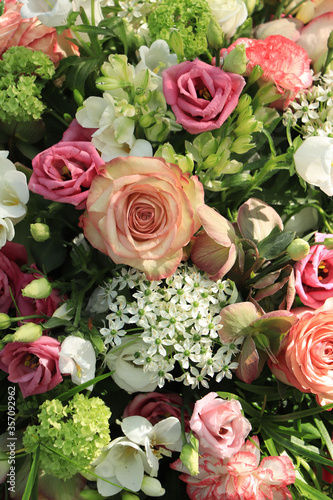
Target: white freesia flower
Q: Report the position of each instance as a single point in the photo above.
(123, 465)
(152, 487)
(313, 161)
(62, 312)
(166, 433)
(229, 14)
(93, 12)
(14, 193)
(7, 231)
(156, 59)
(77, 358)
(51, 12)
(126, 374)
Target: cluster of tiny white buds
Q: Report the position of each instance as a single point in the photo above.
(178, 321)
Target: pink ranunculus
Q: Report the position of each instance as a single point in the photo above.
(239, 477)
(219, 425)
(76, 132)
(12, 256)
(283, 62)
(142, 212)
(43, 307)
(156, 406)
(314, 274)
(201, 96)
(305, 360)
(33, 365)
(31, 33)
(64, 172)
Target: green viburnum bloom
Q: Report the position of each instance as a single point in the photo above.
(23, 74)
(78, 430)
(190, 18)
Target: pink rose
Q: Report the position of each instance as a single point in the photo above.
(43, 307)
(33, 34)
(33, 365)
(305, 360)
(219, 425)
(201, 96)
(142, 212)
(240, 477)
(155, 406)
(64, 172)
(283, 62)
(12, 256)
(314, 274)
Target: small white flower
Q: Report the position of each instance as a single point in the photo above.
(77, 358)
(14, 192)
(51, 12)
(7, 231)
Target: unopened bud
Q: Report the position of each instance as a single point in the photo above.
(242, 144)
(78, 97)
(211, 161)
(5, 321)
(256, 73)
(146, 121)
(328, 242)
(126, 495)
(91, 495)
(39, 231)
(330, 41)
(235, 61)
(190, 458)
(28, 332)
(152, 487)
(186, 164)
(247, 126)
(298, 249)
(214, 34)
(37, 289)
(176, 44)
(243, 103)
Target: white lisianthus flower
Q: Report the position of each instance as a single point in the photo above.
(7, 231)
(124, 465)
(51, 13)
(230, 14)
(126, 374)
(77, 358)
(313, 162)
(166, 433)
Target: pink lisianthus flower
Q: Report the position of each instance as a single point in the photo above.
(283, 62)
(200, 95)
(240, 477)
(156, 406)
(31, 33)
(64, 172)
(314, 274)
(33, 365)
(142, 212)
(305, 360)
(219, 425)
(12, 257)
(77, 133)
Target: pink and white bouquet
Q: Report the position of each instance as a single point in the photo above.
(166, 249)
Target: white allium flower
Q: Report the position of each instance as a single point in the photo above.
(305, 110)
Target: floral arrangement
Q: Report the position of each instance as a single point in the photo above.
(166, 251)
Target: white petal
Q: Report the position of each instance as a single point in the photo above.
(136, 428)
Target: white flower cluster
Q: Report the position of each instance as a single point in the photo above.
(14, 196)
(312, 112)
(176, 321)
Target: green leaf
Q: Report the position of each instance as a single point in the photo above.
(246, 406)
(33, 477)
(273, 245)
(300, 414)
(324, 435)
(310, 492)
(69, 394)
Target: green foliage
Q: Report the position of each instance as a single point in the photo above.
(79, 430)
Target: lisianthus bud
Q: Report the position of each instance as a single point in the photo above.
(190, 458)
(28, 332)
(176, 44)
(235, 61)
(126, 495)
(152, 487)
(37, 289)
(5, 321)
(298, 249)
(256, 73)
(328, 242)
(214, 34)
(39, 231)
(243, 103)
(248, 126)
(92, 495)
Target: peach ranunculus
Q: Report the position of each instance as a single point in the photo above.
(142, 212)
(283, 62)
(31, 33)
(240, 477)
(305, 360)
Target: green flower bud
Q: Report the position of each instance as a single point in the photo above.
(256, 73)
(176, 44)
(330, 41)
(78, 97)
(267, 93)
(37, 289)
(242, 144)
(328, 242)
(166, 152)
(146, 121)
(190, 458)
(126, 495)
(214, 34)
(243, 103)
(5, 321)
(185, 163)
(298, 249)
(248, 126)
(152, 487)
(235, 61)
(91, 495)
(40, 232)
(211, 161)
(28, 332)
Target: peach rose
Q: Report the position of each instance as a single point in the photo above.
(142, 212)
(306, 358)
(31, 33)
